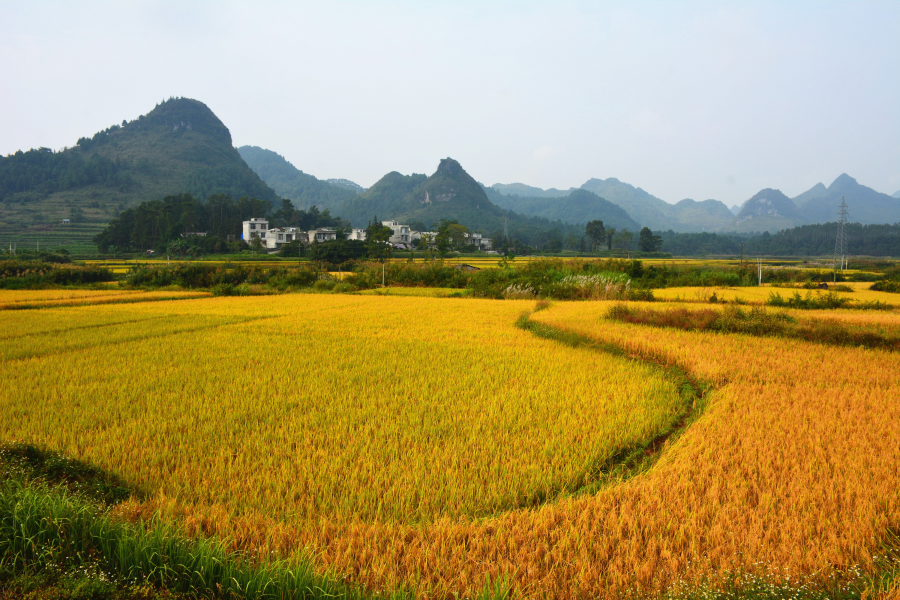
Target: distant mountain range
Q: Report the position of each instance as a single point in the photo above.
(181, 146)
(290, 182)
(639, 206)
(770, 210)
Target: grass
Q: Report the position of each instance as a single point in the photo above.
(63, 535)
(757, 321)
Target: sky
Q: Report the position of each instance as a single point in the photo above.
(683, 99)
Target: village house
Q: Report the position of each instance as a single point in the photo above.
(255, 228)
(401, 233)
(279, 236)
(479, 241)
(357, 234)
(322, 234)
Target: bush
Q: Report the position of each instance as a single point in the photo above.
(34, 274)
(324, 285)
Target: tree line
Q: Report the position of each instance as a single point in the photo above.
(155, 224)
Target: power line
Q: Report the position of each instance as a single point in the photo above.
(840, 242)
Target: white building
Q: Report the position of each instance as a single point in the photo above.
(279, 236)
(357, 234)
(255, 228)
(322, 234)
(401, 232)
(479, 241)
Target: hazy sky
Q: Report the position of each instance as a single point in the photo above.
(685, 99)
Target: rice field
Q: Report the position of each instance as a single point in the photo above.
(427, 443)
(759, 294)
(18, 299)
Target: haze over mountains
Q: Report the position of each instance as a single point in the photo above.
(181, 146)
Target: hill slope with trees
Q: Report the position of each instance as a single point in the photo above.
(290, 182)
(178, 147)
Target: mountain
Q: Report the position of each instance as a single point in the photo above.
(641, 207)
(520, 189)
(179, 146)
(577, 206)
(347, 184)
(735, 209)
(290, 182)
(450, 193)
(865, 204)
(896, 194)
(384, 199)
(769, 210)
(706, 215)
(646, 209)
(816, 191)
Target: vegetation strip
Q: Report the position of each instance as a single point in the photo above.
(758, 322)
(55, 516)
(636, 458)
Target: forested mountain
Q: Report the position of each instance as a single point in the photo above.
(865, 204)
(346, 183)
(290, 182)
(767, 210)
(450, 193)
(770, 210)
(527, 191)
(577, 206)
(815, 191)
(178, 147)
(640, 206)
(805, 240)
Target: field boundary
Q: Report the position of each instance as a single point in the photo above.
(637, 458)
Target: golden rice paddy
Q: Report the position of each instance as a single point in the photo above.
(428, 443)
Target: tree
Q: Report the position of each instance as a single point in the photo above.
(378, 239)
(595, 232)
(623, 239)
(256, 244)
(648, 242)
(610, 234)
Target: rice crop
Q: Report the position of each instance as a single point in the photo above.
(759, 295)
(430, 445)
(303, 413)
(18, 299)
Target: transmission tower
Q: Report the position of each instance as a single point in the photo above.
(505, 227)
(840, 243)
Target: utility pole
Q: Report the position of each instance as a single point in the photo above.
(742, 255)
(840, 242)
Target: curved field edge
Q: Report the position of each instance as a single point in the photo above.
(737, 583)
(525, 418)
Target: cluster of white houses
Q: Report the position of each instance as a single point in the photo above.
(402, 238)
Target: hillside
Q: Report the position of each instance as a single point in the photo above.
(527, 191)
(640, 206)
(449, 193)
(179, 146)
(290, 182)
(815, 191)
(865, 204)
(768, 210)
(577, 206)
(896, 194)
